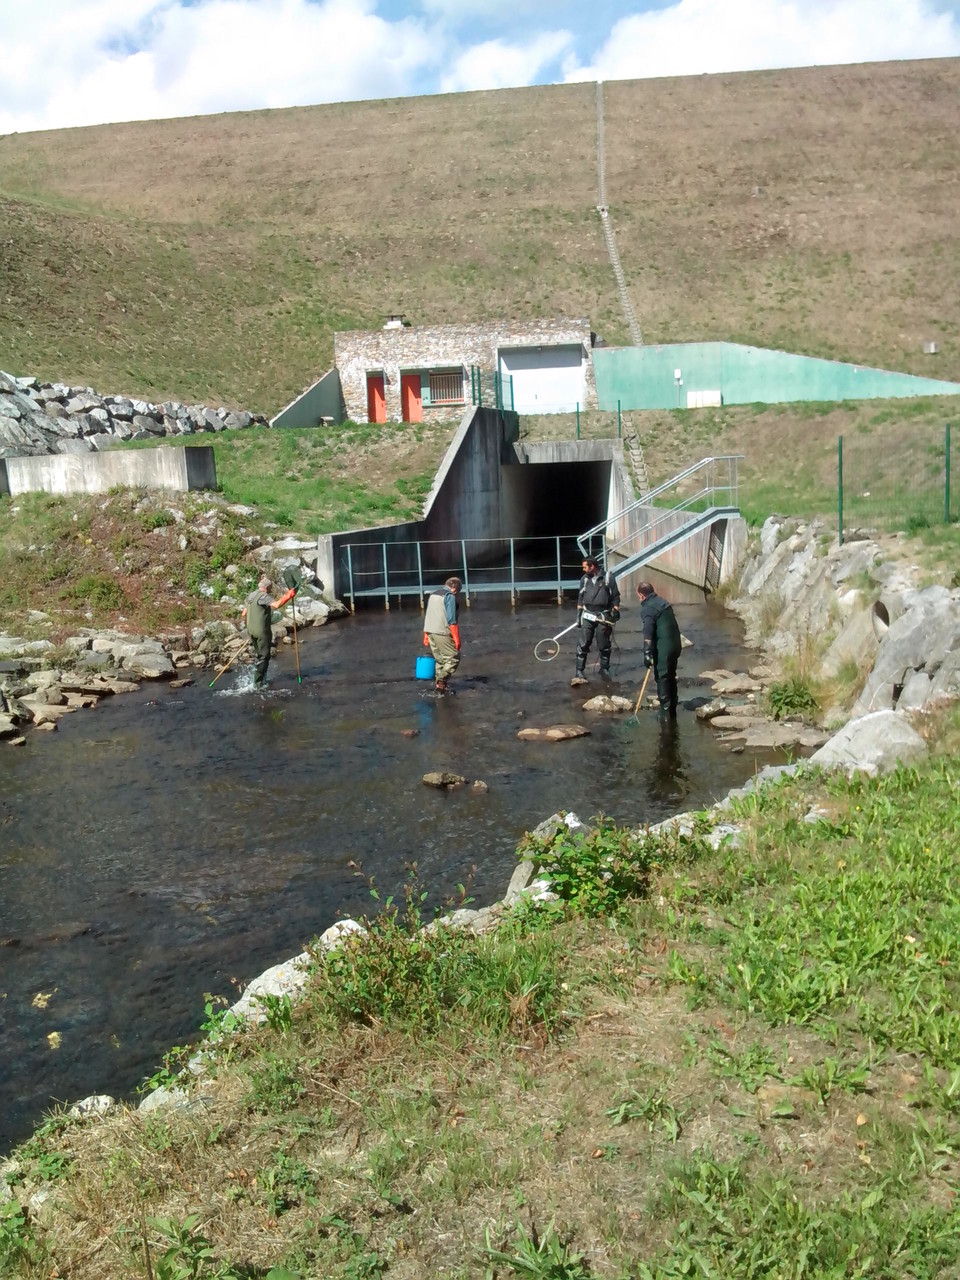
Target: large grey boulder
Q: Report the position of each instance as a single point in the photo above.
(875, 743)
(918, 640)
(855, 642)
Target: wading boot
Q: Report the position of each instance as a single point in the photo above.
(441, 686)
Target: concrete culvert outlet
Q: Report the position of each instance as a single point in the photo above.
(885, 611)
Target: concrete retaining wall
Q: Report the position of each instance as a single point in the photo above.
(176, 468)
(323, 400)
(471, 508)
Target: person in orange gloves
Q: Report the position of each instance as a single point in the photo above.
(441, 630)
(256, 615)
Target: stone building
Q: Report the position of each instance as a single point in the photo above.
(407, 373)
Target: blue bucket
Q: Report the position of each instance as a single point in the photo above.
(426, 667)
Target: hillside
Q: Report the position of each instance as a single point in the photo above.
(212, 258)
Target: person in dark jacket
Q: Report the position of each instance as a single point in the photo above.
(441, 630)
(661, 646)
(257, 616)
(598, 609)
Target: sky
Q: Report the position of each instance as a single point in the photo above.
(80, 62)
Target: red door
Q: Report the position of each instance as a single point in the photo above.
(410, 402)
(376, 398)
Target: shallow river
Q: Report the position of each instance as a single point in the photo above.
(171, 843)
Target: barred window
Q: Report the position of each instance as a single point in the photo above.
(446, 387)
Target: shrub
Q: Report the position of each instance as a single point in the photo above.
(792, 697)
(99, 591)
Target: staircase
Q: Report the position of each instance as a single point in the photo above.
(695, 499)
(638, 463)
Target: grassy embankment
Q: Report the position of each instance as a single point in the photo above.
(739, 1063)
(104, 560)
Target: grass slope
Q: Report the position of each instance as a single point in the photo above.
(212, 258)
(737, 1063)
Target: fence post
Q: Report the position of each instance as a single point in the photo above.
(619, 423)
(386, 581)
(946, 492)
(840, 485)
(473, 386)
(353, 598)
(578, 419)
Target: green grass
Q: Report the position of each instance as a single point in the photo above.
(343, 477)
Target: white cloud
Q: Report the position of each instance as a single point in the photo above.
(72, 62)
(695, 36)
(142, 60)
(497, 65)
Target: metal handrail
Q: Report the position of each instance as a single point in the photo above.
(649, 499)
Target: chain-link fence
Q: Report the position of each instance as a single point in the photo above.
(904, 486)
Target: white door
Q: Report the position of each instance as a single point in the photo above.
(544, 379)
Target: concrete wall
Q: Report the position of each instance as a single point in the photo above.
(464, 503)
(176, 468)
(323, 400)
(393, 351)
(644, 377)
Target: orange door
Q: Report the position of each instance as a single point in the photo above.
(376, 399)
(410, 401)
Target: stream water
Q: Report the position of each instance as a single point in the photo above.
(172, 843)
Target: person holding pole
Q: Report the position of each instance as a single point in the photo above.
(257, 616)
(441, 630)
(598, 609)
(661, 646)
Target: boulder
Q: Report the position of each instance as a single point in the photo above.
(608, 703)
(710, 710)
(875, 743)
(443, 779)
(553, 733)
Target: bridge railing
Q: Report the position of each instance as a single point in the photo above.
(385, 570)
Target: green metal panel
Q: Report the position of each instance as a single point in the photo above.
(646, 377)
(425, 389)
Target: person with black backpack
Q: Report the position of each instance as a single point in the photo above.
(598, 610)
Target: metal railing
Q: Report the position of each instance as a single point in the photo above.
(716, 482)
(385, 570)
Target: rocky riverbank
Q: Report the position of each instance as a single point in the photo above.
(848, 631)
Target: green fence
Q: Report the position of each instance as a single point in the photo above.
(903, 487)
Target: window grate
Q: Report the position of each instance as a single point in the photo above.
(447, 387)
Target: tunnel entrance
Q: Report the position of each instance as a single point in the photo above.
(554, 499)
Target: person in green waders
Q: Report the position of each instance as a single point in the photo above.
(661, 646)
(257, 616)
(441, 630)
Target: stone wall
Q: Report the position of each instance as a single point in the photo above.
(444, 346)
